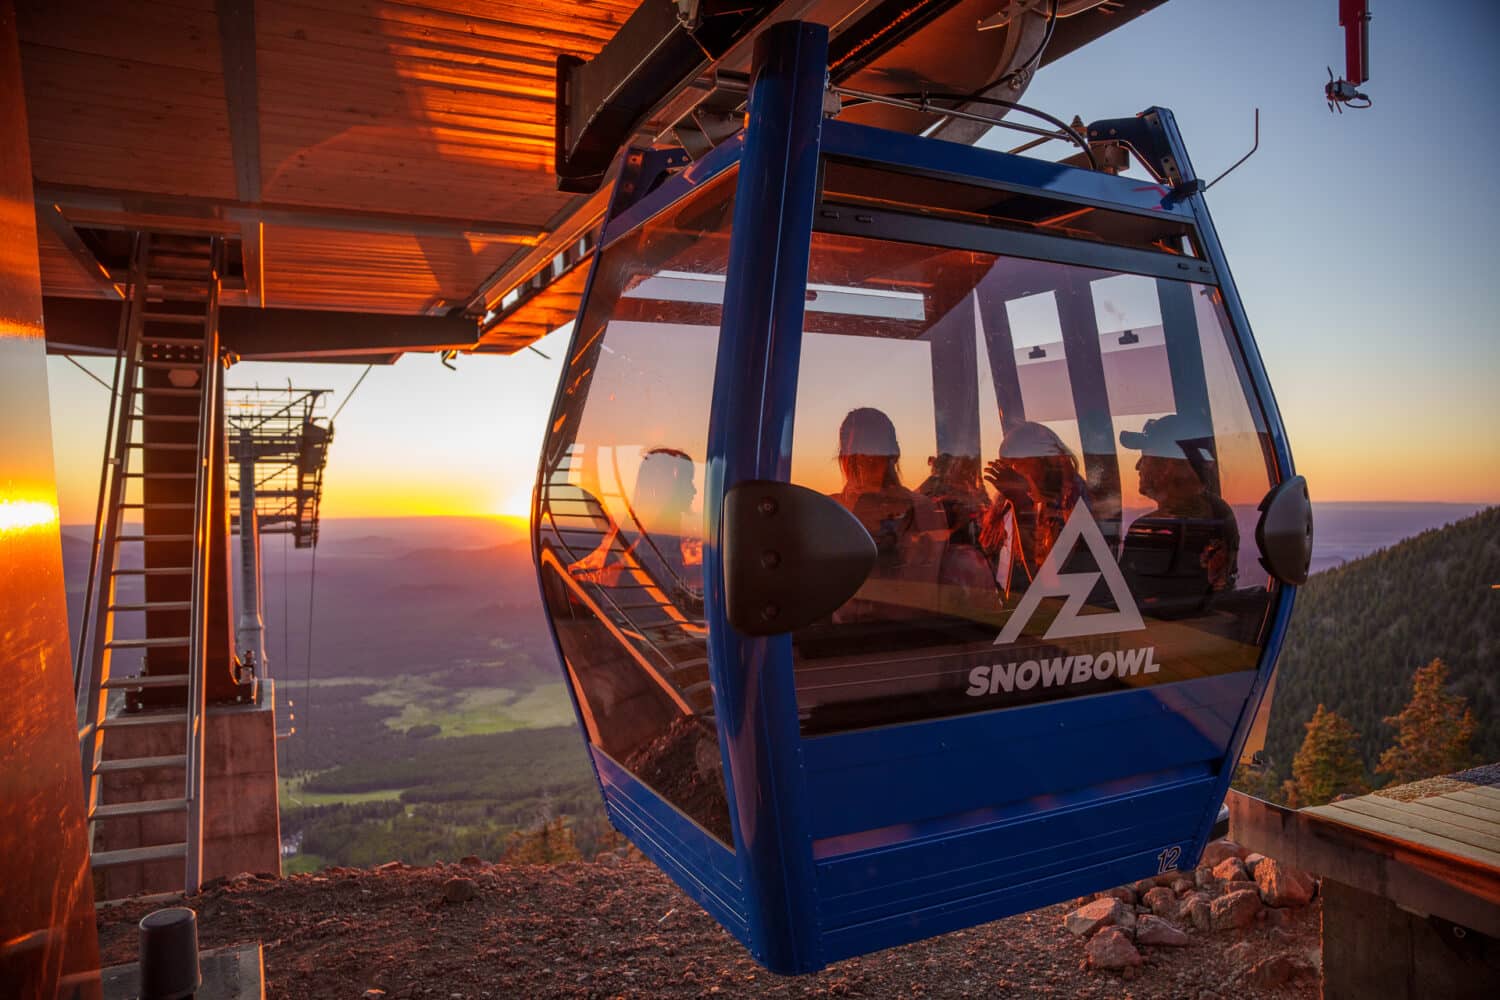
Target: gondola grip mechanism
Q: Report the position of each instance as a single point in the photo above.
(791, 556)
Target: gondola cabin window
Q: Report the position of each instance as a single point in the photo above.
(1059, 464)
(620, 507)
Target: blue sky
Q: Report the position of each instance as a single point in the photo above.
(1361, 244)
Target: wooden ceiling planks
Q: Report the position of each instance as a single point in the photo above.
(428, 109)
(134, 98)
(313, 268)
(436, 108)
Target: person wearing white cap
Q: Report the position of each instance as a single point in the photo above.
(1187, 549)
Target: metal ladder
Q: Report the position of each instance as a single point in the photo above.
(146, 598)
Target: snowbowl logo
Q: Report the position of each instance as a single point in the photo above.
(1069, 623)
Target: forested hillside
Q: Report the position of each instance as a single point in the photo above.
(1362, 630)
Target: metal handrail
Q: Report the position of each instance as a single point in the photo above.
(207, 452)
(91, 701)
(107, 461)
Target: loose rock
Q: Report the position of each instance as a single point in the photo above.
(1162, 902)
(1197, 908)
(1156, 931)
(459, 889)
(1235, 911)
(1203, 877)
(1278, 970)
(1242, 885)
(1283, 885)
(1253, 859)
(1182, 885)
(1218, 850)
(1123, 893)
(1091, 917)
(1111, 949)
(1231, 870)
(1239, 953)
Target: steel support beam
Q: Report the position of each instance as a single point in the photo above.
(224, 216)
(51, 216)
(237, 48)
(89, 326)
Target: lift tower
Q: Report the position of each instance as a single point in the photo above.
(278, 447)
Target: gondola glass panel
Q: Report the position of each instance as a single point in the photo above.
(619, 507)
(1060, 466)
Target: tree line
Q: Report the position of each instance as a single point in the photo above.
(1433, 735)
(1359, 630)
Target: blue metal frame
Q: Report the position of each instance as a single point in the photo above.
(856, 841)
(647, 194)
(1161, 121)
(1001, 171)
(699, 864)
(750, 437)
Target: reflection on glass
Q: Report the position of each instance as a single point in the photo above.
(619, 516)
(1186, 550)
(1093, 458)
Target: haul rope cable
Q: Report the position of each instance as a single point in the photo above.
(922, 101)
(312, 580)
(107, 387)
(358, 382)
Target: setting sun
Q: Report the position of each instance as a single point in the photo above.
(517, 504)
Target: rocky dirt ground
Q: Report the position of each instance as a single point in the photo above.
(621, 929)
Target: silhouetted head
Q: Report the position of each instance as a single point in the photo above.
(1174, 459)
(664, 489)
(1037, 454)
(868, 451)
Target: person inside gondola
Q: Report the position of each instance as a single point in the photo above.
(657, 545)
(1020, 528)
(1180, 555)
(967, 580)
(909, 529)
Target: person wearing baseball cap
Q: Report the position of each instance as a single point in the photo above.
(1177, 557)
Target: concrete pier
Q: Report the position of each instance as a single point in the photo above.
(241, 822)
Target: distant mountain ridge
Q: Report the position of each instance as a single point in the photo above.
(1360, 631)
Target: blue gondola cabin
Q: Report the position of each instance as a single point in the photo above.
(915, 523)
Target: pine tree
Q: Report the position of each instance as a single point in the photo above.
(1260, 782)
(1328, 765)
(549, 843)
(1433, 731)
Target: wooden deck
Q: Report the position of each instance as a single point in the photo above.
(1464, 823)
(1432, 847)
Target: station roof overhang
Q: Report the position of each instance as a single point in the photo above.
(386, 172)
